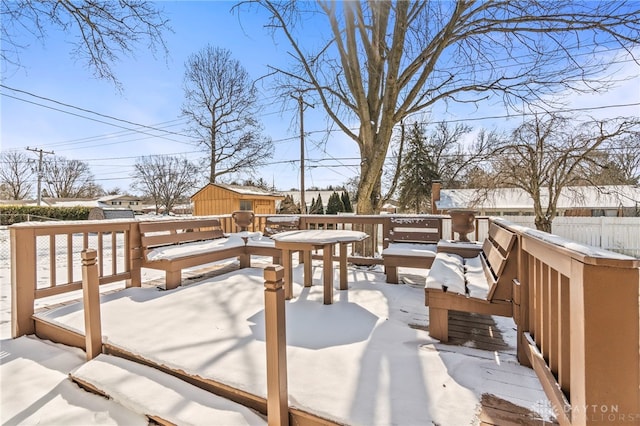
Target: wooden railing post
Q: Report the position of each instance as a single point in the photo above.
(91, 300)
(23, 280)
(276, 340)
(605, 337)
(521, 298)
(135, 256)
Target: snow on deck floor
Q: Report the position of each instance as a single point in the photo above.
(356, 361)
(146, 390)
(36, 389)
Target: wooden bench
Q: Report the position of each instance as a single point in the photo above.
(172, 245)
(480, 284)
(410, 242)
(276, 224)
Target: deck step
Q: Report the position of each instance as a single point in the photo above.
(163, 398)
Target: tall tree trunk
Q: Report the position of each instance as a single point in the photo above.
(543, 223)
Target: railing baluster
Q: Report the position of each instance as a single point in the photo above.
(554, 324)
(69, 259)
(114, 253)
(564, 354)
(52, 260)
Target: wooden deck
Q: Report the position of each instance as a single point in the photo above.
(478, 332)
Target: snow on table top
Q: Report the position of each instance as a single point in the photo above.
(317, 236)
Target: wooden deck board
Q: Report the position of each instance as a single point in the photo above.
(498, 412)
(475, 330)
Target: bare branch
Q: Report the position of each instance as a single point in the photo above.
(105, 30)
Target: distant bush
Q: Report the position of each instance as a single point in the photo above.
(16, 214)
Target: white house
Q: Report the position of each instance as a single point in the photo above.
(612, 200)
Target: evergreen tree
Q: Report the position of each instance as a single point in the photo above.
(319, 206)
(288, 206)
(346, 202)
(335, 205)
(418, 172)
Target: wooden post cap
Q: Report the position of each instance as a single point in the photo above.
(273, 276)
(89, 256)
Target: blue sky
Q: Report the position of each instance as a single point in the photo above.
(152, 95)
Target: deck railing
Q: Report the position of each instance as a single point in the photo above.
(577, 308)
(45, 260)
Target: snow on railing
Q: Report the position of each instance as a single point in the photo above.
(45, 260)
(578, 315)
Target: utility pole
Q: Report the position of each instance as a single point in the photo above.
(41, 152)
(301, 104)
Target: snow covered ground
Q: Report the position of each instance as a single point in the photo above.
(357, 361)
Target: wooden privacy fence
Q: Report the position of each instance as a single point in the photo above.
(619, 234)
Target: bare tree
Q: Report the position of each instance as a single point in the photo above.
(220, 102)
(382, 61)
(627, 155)
(619, 165)
(547, 154)
(16, 173)
(65, 178)
(101, 30)
(165, 179)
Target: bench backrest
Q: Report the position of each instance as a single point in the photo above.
(502, 267)
(277, 224)
(168, 232)
(426, 230)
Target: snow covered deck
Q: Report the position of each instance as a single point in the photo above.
(365, 360)
(567, 300)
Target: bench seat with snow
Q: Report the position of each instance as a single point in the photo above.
(172, 245)
(480, 284)
(411, 242)
(264, 245)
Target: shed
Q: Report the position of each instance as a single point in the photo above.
(98, 213)
(215, 199)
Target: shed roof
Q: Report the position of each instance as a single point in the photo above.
(244, 191)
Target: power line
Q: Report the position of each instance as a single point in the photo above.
(93, 119)
(109, 136)
(328, 131)
(110, 117)
(528, 114)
